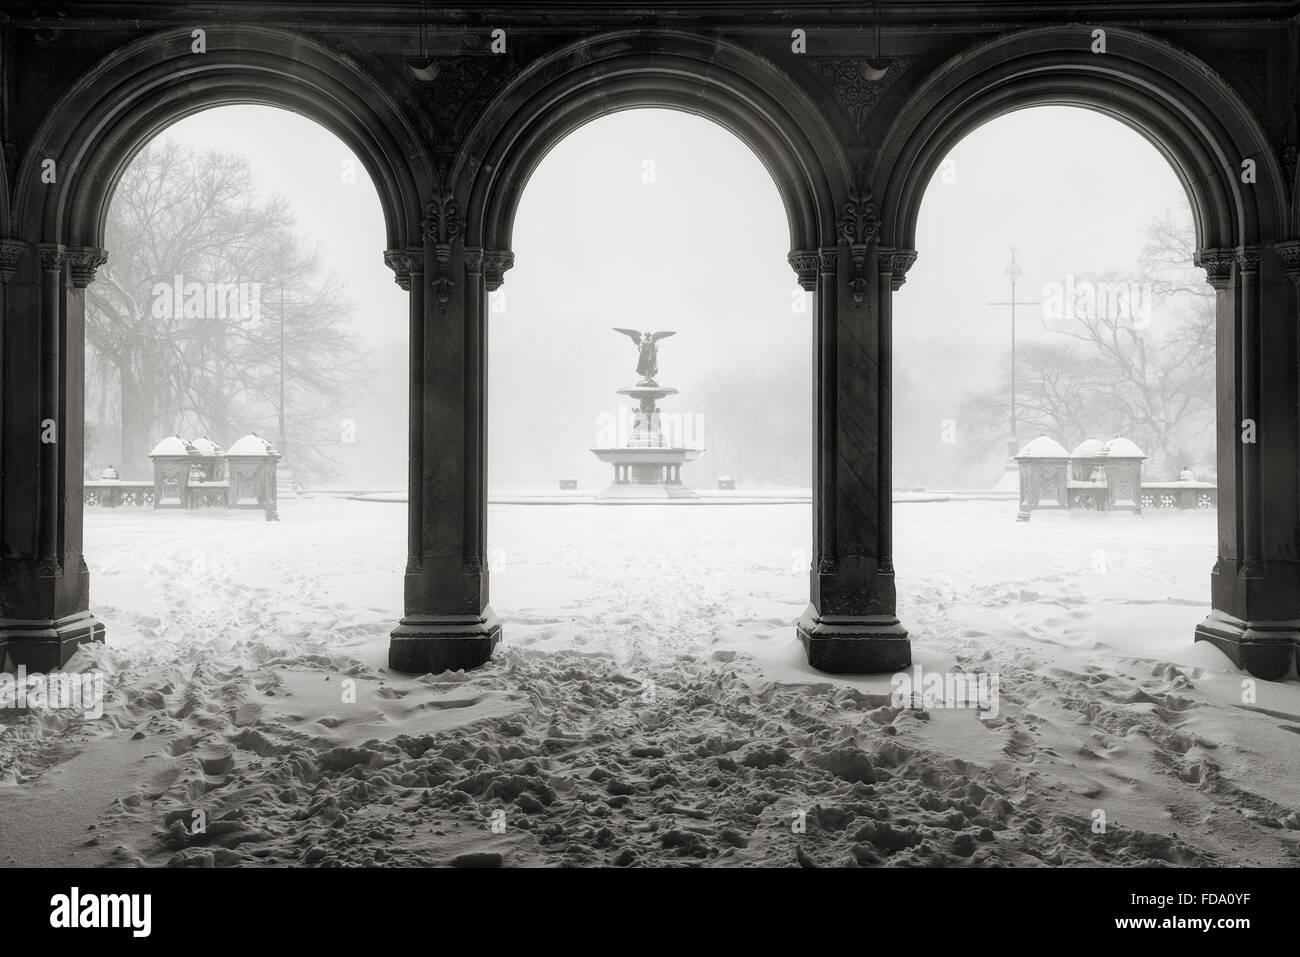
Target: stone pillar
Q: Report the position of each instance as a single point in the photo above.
(447, 622)
(850, 625)
(44, 583)
(1255, 584)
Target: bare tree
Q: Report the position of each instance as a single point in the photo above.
(1140, 364)
(184, 324)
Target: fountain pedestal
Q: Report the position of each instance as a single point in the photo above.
(647, 467)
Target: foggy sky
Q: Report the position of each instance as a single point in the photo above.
(654, 219)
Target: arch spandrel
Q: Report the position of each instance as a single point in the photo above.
(102, 121)
(1169, 96)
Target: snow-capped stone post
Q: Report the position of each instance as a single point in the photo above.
(1044, 476)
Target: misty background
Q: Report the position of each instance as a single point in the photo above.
(653, 220)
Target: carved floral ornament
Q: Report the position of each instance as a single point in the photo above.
(859, 227)
(1217, 264)
(83, 262)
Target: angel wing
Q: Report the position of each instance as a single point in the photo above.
(635, 336)
(656, 336)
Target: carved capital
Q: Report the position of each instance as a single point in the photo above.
(804, 264)
(1217, 264)
(896, 263)
(404, 262)
(443, 224)
(83, 262)
(1248, 258)
(474, 260)
(10, 250)
(53, 256)
(1289, 253)
(828, 260)
(495, 264)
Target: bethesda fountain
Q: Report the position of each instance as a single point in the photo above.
(647, 467)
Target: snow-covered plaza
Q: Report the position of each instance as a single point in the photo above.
(650, 702)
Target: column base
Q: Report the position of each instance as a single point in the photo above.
(1263, 648)
(46, 644)
(426, 644)
(854, 644)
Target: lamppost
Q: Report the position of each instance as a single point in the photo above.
(1013, 272)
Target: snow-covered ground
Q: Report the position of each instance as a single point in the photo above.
(650, 703)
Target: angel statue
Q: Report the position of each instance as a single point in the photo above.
(647, 344)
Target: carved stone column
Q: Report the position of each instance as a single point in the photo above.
(850, 625)
(44, 584)
(1255, 584)
(447, 622)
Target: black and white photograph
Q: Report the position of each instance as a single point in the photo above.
(627, 436)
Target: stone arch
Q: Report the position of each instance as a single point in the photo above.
(1205, 131)
(105, 118)
(712, 78)
(93, 130)
(1188, 113)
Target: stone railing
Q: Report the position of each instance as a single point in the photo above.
(1100, 477)
(113, 493)
(198, 475)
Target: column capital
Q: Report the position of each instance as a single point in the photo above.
(1248, 258)
(1289, 252)
(1217, 264)
(84, 261)
(804, 263)
(10, 250)
(895, 263)
(495, 264)
(474, 260)
(828, 260)
(53, 256)
(404, 262)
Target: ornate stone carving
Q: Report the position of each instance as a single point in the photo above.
(1289, 253)
(443, 224)
(495, 264)
(804, 264)
(896, 262)
(83, 262)
(859, 227)
(857, 84)
(828, 260)
(53, 256)
(1217, 264)
(452, 83)
(474, 260)
(403, 262)
(1248, 258)
(442, 289)
(10, 250)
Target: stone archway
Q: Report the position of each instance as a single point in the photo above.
(91, 133)
(850, 624)
(1208, 135)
